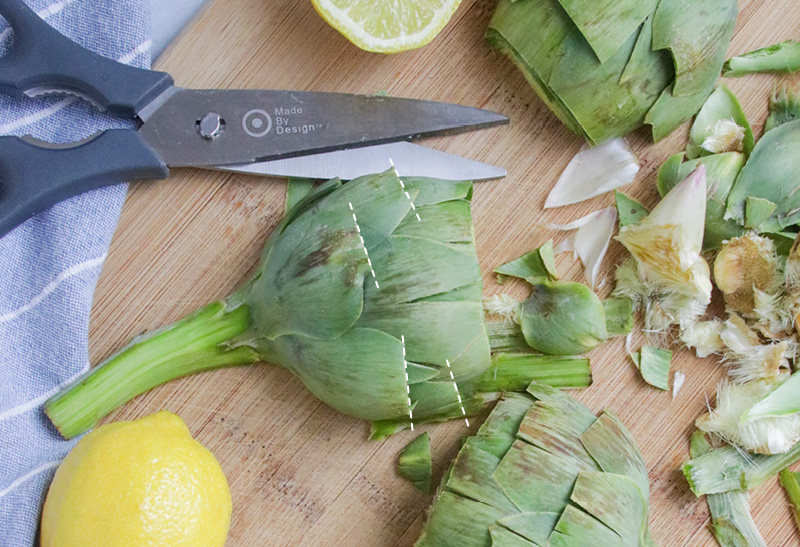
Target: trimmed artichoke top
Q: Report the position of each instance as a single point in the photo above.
(543, 470)
(609, 66)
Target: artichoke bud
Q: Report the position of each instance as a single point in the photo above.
(562, 318)
(745, 264)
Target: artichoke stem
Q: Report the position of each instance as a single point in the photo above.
(194, 344)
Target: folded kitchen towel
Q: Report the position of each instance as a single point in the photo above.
(49, 265)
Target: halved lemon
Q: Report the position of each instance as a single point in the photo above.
(387, 26)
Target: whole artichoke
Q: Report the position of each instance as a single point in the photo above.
(369, 291)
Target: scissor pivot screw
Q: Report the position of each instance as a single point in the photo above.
(210, 126)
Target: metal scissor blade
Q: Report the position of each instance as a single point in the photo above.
(212, 128)
(410, 160)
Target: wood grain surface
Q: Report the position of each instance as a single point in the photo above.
(300, 472)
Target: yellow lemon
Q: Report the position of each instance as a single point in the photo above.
(140, 483)
(387, 26)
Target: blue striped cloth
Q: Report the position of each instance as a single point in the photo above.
(50, 264)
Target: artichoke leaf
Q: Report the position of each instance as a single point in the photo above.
(536, 480)
(312, 281)
(608, 23)
(535, 527)
(721, 106)
(772, 173)
(410, 268)
(432, 191)
(614, 449)
(446, 222)
(296, 190)
(414, 463)
(614, 500)
(555, 426)
(643, 54)
(576, 527)
(501, 537)
(629, 210)
(532, 267)
(457, 521)
(435, 332)
(361, 373)
(587, 88)
(471, 477)
(697, 33)
(670, 111)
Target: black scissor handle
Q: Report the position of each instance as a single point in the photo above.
(36, 175)
(43, 58)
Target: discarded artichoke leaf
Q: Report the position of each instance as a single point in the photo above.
(535, 527)
(563, 318)
(501, 537)
(728, 469)
(532, 267)
(678, 379)
(296, 190)
(594, 171)
(763, 435)
(783, 57)
(591, 239)
(791, 484)
(784, 107)
(722, 107)
(756, 211)
(414, 463)
(629, 210)
(783, 242)
(619, 316)
(669, 111)
(721, 173)
(783, 400)
(771, 174)
(731, 521)
(654, 364)
(698, 35)
(608, 23)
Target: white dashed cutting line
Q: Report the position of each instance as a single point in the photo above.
(408, 386)
(403, 187)
(463, 412)
(364, 246)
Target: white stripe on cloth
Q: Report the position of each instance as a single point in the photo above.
(53, 285)
(144, 47)
(25, 407)
(28, 476)
(50, 10)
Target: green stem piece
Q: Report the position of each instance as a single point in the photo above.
(791, 483)
(194, 344)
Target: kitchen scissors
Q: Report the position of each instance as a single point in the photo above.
(268, 132)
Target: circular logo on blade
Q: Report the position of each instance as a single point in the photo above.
(256, 123)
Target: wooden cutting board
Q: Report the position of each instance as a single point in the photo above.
(300, 472)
